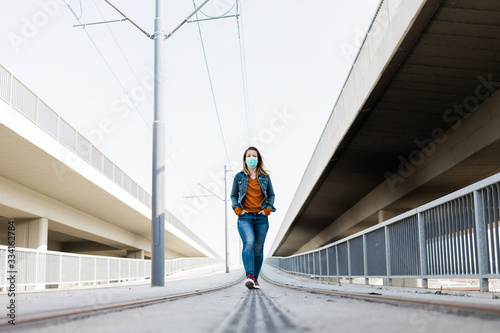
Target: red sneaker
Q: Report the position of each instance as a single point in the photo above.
(250, 281)
(256, 283)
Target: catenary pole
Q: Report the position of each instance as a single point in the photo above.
(158, 205)
(158, 177)
(225, 220)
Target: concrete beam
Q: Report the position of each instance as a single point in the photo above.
(169, 254)
(386, 214)
(80, 247)
(32, 203)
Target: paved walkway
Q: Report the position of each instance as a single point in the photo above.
(236, 309)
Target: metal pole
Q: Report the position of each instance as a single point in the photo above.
(481, 240)
(423, 250)
(158, 209)
(225, 219)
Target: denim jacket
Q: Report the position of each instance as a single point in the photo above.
(240, 190)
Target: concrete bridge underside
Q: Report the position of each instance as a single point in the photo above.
(425, 125)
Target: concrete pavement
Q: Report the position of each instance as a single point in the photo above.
(208, 312)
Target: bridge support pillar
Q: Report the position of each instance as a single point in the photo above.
(33, 234)
(135, 254)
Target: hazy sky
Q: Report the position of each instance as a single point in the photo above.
(298, 55)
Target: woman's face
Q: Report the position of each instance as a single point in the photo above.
(251, 153)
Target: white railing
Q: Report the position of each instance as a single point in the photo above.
(22, 99)
(38, 269)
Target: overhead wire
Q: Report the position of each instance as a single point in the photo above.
(81, 10)
(230, 9)
(136, 77)
(121, 51)
(151, 104)
(147, 97)
(243, 70)
(126, 92)
(242, 61)
(105, 61)
(212, 88)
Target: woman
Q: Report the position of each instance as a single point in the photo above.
(252, 199)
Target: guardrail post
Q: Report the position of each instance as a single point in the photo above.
(11, 88)
(365, 260)
(6, 264)
(60, 270)
(327, 265)
(388, 279)
(349, 261)
(95, 271)
(37, 267)
(423, 250)
(313, 268)
(481, 241)
(319, 264)
(337, 263)
(79, 271)
(36, 110)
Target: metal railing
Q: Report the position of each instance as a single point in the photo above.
(456, 236)
(33, 268)
(22, 99)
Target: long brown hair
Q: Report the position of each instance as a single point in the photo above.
(260, 164)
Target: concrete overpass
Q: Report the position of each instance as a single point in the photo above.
(418, 117)
(65, 194)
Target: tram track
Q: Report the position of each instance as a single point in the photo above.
(268, 316)
(73, 314)
(458, 308)
(259, 313)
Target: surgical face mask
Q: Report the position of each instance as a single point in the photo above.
(252, 162)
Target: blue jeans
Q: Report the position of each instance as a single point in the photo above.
(253, 230)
